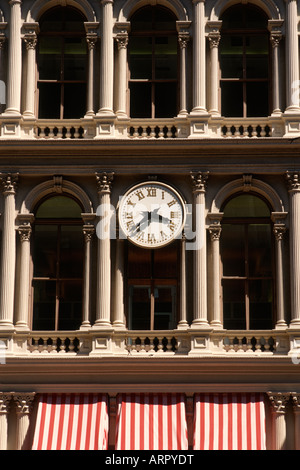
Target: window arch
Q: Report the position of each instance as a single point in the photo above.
(244, 62)
(62, 64)
(247, 263)
(57, 264)
(153, 82)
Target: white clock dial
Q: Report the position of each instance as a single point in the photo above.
(151, 214)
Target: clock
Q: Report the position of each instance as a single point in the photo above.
(151, 214)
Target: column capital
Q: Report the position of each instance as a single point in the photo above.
(24, 402)
(15, 2)
(104, 182)
(122, 39)
(279, 230)
(279, 401)
(293, 180)
(9, 182)
(296, 401)
(5, 400)
(88, 232)
(199, 181)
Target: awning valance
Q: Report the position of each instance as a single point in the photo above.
(71, 422)
(154, 421)
(229, 421)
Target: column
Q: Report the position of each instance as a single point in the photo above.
(183, 39)
(118, 320)
(24, 407)
(9, 182)
(199, 180)
(292, 56)
(24, 230)
(14, 70)
(215, 233)
(293, 180)
(296, 409)
(279, 402)
(275, 37)
(5, 399)
(30, 39)
(214, 41)
(107, 58)
(2, 69)
(279, 230)
(91, 39)
(122, 42)
(199, 58)
(183, 292)
(104, 182)
(88, 233)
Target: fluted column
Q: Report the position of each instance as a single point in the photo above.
(5, 400)
(2, 69)
(118, 320)
(8, 258)
(104, 182)
(183, 292)
(107, 58)
(88, 233)
(292, 56)
(293, 180)
(296, 410)
(30, 39)
(279, 230)
(91, 39)
(275, 37)
(215, 233)
(183, 40)
(24, 407)
(14, 71)
(122, 42)
(214, 41)
(279, 402)
(199, 180)
(199, 58)
(24, 230)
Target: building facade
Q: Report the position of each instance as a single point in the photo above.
(150, 224)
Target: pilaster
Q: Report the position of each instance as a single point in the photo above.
(24, 403)
(5, 401)
(279, 402)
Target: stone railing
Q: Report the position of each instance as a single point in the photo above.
(95, 127)
(184, 342)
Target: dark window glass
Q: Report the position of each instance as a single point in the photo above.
(244, 62)
(247, 264)
(58, 265)
(62, 57)
(153, 65)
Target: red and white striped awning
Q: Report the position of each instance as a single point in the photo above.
(71, 422)
(229, 421)
(154, 421)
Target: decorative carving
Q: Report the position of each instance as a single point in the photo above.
(104, 182)
(24, 402)
(9, 183)
(122, 40)
(5, 400)
(215, 231)
(247, 182)
(279, 401)
(91, 39)
(183, 39)
(25, 232)
(88, 232)
(30, 41)
(293, 180)
(199, 180)
(214, 39)
(279, 230)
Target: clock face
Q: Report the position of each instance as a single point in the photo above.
(151, 214)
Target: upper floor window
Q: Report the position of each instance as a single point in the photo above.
(153, 64)
(247, 264)
(62, 58)
(244, 62)
(57, 265)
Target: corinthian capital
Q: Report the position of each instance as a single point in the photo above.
(293, 180)
(9, 182)
(104, 182)
(199, 180)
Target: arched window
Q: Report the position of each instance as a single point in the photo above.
(57, 265)
(244, 62)
(153, 80)
(247, 264)
(62, 58)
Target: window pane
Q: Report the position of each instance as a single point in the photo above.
(164, 298)
(75, 59)
(165, 57)
(139, 307)
(50, 50)
(257, 51)
(140, 100)
(231, 57)
(164, 20)
(71, 252)
(59, 207)
(257, 99)
(232, 99)
(234, 316)
(165, 262)
(246, 205)
(165, 100)
(44, 305)
(45, 251)
(140, 58)
(49, 100)
(70, 305)
(259, 240)
(233, 250)
(260, 295)
(139, 263)
(74, 100)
